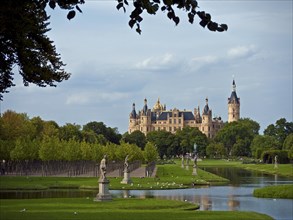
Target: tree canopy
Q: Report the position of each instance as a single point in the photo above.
(24, 43)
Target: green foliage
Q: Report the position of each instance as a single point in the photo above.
(164, 141)
(150, 153)
(281, 192)
(167, 6)
(189, 136)
(99, 128)
(15, 125)
(25, 149)
(288, 145)
(269, 156)
(262, 143)
(280, 130)
(237, 137)
(215, 150)
(136, 137)
(30, 49)
(51, 149)
(70, 131)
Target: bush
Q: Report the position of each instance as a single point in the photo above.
(269, 156)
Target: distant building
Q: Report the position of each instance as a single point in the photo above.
(158, 118)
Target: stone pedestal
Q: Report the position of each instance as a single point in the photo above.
(126, 179)
(194, 171)
(103, 194)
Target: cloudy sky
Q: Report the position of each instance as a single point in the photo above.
(112, 66)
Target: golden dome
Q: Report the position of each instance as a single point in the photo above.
(158, 106)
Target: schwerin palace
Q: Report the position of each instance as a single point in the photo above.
(158, 118)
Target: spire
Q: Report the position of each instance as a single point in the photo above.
(233, 98)
(206, 108)
(145, 107)
(233, 86)
(133, 112)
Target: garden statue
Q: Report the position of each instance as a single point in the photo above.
(276, 161)
(126, 179)
(103, 168)
(126, 165)
(103, 194)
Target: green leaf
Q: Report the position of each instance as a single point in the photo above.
(131, 23)
(212, 26)
(203, 23)
(120, 5)
(52, 4)
(78, 8)
(224, 26)
(176, 20)
(71, 14)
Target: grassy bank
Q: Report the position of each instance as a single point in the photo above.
(282, 169)
(121, 209)
(169, 176)
(280, 191)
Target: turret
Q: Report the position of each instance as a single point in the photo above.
(233, 105)
(132, 120)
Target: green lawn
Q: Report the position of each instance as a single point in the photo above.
(280, 191)
(169, 176)
(84, 208)
(283, 169)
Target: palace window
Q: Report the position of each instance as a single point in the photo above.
(170, 121)
(174, 121)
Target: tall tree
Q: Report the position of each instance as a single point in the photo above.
(262, 143)
(111, 134)
(23, 42)
(163, 141)
(189, 136)
(280, 130)
(136, 137)
(237, 137)
(70, 131)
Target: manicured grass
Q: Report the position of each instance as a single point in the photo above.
(219, 162)
(121, 209)
(282, 169)
(280, 191)
(169, 176)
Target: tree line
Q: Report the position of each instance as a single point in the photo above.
(22, 138)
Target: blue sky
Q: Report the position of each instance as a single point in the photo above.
(112, 66)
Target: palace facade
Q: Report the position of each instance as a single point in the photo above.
(158, 118)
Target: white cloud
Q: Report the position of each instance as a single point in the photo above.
(93, 97)
(241, 51)
(205, 59)
(156, 63)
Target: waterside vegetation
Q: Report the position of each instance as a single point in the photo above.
(280, 191)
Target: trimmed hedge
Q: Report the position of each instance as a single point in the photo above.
(269, 156)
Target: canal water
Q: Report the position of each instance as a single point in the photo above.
(238, 195)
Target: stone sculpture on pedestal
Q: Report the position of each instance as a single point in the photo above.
(126, 179)
(103, 194)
